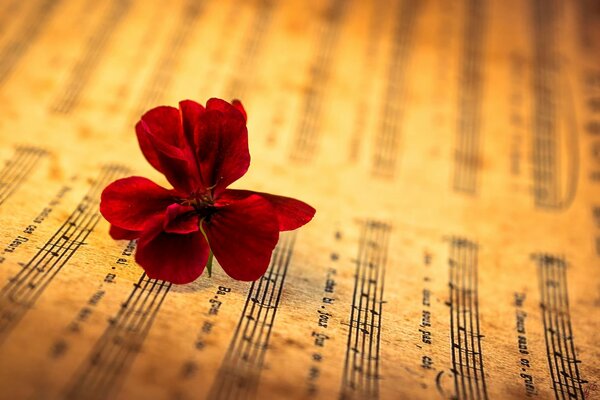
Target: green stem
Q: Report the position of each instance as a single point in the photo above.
(210, 253)
(209, 263)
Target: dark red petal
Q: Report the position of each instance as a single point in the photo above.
(177, 164)
(222, 145)
(164, 122)
(161, 138)
(291, 213)
(238, 104)
(130, 202)
(189, 113)
(171, 257)
(242, 236)
(216, 104)
(123, 234)
(147, 147)
(181, 219)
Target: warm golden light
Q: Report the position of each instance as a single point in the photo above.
(452, 152)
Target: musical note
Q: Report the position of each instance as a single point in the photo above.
(261, 304)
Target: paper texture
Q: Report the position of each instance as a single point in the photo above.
(451, 149)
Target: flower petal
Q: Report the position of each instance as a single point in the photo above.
(221, 138)
(242, 236)
(180, 219)
(189, 112)
(123, 234)
(238, 104)
(291, 213)
(130, 202)
(171, 257)
(216, 104)
(147, 147)
(164, 122)
(161, 138)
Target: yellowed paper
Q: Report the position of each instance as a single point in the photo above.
(451, 150)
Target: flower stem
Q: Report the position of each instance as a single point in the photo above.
(209, 263)
(210, 253)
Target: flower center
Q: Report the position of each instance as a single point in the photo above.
(197, 203)
(203, 204)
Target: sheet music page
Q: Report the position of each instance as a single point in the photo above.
(451, 149)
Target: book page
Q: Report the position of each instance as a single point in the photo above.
(451, 150)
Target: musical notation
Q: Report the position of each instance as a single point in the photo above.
(163, 70)
(361, 366)
(551, 122)
(467, 154)
(254, 39)
(388, 138)
(465, 336)
(17, 168)
(306, 139)
(29, 28)
(95, 48)
(106, 367)
(563, 364)
(240, 370)
(23, 290)
(417, 120)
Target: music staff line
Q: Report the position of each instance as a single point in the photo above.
(22, 290)
(93, 52)
(108, 363)
(163, 71)
(9, 11)
(306, 136)
(548, 89)
(387, 140)
(239, 374)
(28, 31)
(465, 336)
(544, 145)
(468, 131)
(246, 58)
(231, 20)
(558, 333)
(17, 168)
(377, 15)
(361, 366)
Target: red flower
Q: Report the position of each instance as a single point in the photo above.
(200, 151)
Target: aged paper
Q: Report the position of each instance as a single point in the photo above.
(451, 149)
